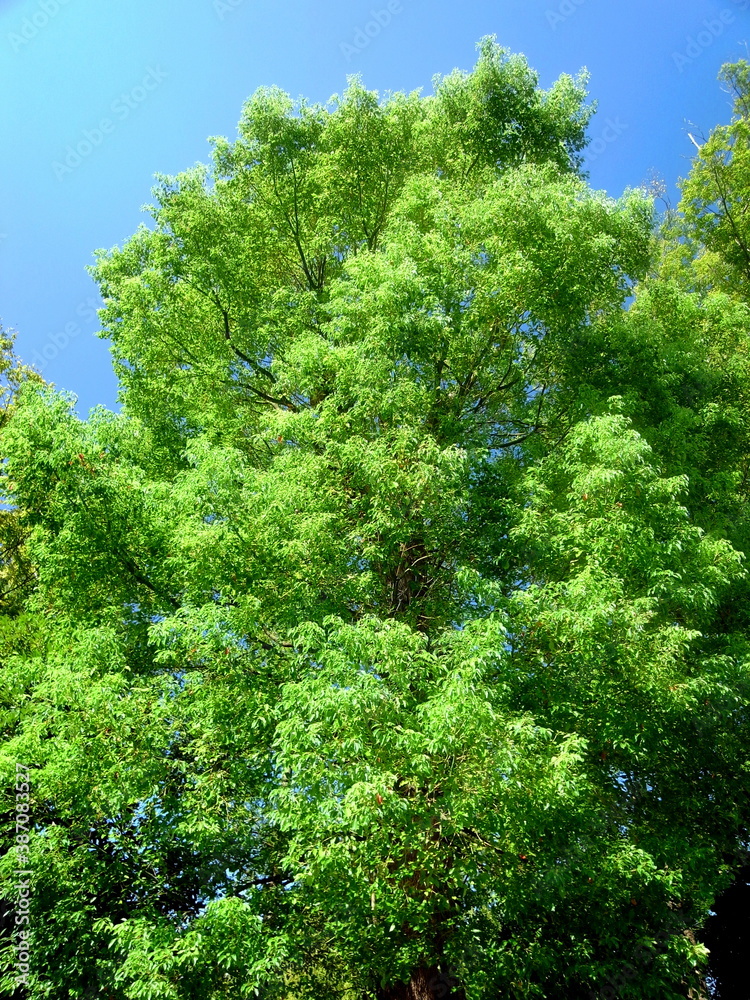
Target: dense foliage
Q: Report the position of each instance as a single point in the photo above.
(392, 640)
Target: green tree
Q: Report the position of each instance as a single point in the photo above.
(17, 580)
(706, 264)
(380, 642)
(16, 572)
(714, 250)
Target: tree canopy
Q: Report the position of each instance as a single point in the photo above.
(392, 640)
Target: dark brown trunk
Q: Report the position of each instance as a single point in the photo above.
(426, 983)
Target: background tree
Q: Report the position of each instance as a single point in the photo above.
(708, 254)
(17, 580)
(387, 646)
(16, 573)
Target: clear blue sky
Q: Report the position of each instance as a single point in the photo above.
(141, 84)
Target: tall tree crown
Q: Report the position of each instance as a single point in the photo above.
(384, 645)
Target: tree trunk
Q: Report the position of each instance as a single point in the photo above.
(426, 983)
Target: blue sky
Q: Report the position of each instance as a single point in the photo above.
(139, 85)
